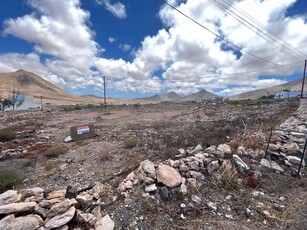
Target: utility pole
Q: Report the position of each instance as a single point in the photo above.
(303, 83)
(41, 103)
(104, 92)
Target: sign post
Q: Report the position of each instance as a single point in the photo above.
(82, 131)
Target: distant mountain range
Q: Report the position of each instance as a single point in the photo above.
(175, 97)
(31, 84)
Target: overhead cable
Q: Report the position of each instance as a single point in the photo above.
(219, 36)
(263, 70)
(259, 28)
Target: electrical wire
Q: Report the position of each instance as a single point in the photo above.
(219, 36)
(261, 70)
(260, 29)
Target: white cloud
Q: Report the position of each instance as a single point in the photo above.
(186, 56)
(125, 47)
(112, 39)
(57, 28)
(118, 9)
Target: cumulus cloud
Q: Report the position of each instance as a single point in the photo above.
(57, 28)
(181, 57)
(192, 58)
(117, 9)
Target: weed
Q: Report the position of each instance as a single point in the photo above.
(131, 142)
(9, 178)
(56, 151)
(7, 135)
(105, 155)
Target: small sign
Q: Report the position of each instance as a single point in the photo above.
(82, 131)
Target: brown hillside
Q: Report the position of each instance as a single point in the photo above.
(31, 84)
(295, 85)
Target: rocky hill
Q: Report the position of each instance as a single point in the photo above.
(171, 96)
(255, 94)
(200, 95)
(175, 97)
(30, 83)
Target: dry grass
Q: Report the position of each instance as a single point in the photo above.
(131, 142)
(105, 155)
(56, 151)
(10, 178)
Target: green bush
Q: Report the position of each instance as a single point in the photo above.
(7, 135)
(9, 178)
(136, 105)
(56, 151)
(131, 142)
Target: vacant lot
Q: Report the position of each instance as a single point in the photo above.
(129, 134)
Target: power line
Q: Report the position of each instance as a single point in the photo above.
(219, 36)
(269, 33)
(253, 28)
(261, 70)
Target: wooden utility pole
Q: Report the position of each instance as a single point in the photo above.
(41, 103)
(104, 92)
(303, 83)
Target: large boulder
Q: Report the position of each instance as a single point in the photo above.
(168, 176)
(241, 166)
(61, 220)
(10, 196)
(17, 207)
(105, 223)
(223, 150)
(271, 164)
(30, 222)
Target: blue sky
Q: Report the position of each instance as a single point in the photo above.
(146, 47)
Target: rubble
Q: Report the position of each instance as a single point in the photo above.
(36, 215)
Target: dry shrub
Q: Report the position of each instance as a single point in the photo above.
(56, 151)
(131, 142)
(9, 178)
(105, 155)
(7, 135)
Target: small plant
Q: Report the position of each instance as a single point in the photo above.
(136, 105)
(9, 178)
(56, 151)
(131, 142)
(105, 155)
(7, 135)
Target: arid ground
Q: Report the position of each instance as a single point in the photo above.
(129, 134)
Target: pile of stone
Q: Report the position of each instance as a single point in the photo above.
(59, 209)
(287, 144)
(192, 167)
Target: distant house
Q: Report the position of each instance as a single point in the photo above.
(27, 104)
(288, 94)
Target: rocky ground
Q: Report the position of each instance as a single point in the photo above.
(164, 166)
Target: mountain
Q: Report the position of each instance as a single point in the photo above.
(295, 85)
(200, 95)
(28, 83)
(175, 97)
(171, 96)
